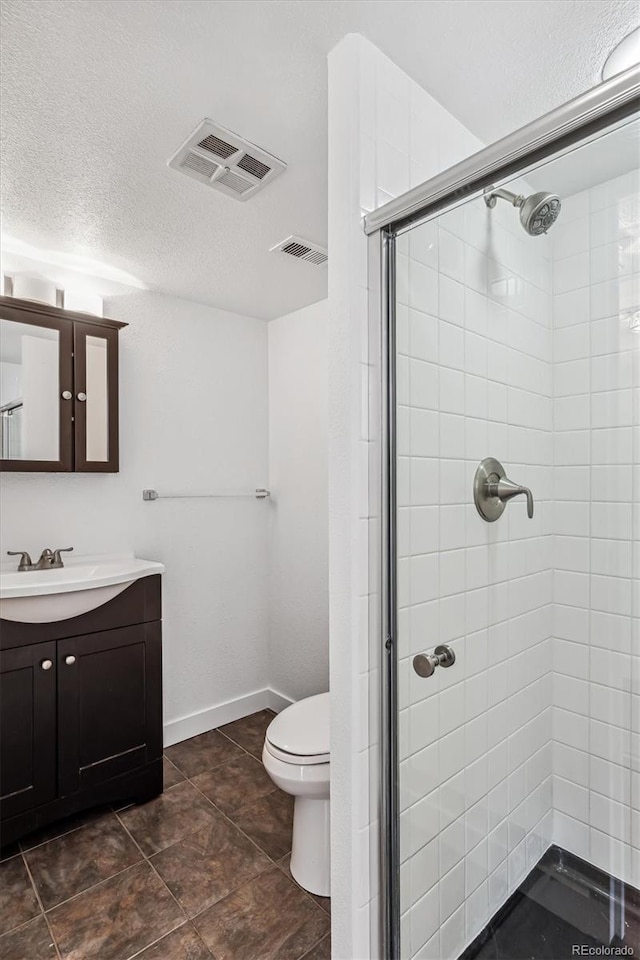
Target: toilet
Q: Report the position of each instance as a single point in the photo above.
(296, 757)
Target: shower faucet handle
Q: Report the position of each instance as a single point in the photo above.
(504, 489)
(492, 490)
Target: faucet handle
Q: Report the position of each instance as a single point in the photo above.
(25, 559)
(492, 490)
(56, 553)
(504, 489)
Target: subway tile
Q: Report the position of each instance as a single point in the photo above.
(571, 378)
(424, 244)
(423, 384)
(452, 391)
(451, 300)
(570, 237)
(613, 445)
(424, 427)
(452, 445)
(572, 343)
(571, 799)
(423, 288)
(451, 255)
(452, 346)
(424, 480)
(611, 409)
(423, 336)
(612, 483)
(570, 273)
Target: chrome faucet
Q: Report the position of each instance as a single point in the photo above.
(492, 490)
(49, 559)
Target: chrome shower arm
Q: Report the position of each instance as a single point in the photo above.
(492, 193)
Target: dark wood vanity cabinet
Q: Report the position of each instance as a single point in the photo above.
(59, 389)
(81, 710)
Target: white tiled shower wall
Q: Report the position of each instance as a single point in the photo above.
(596, 280)
(474, 380)
(385, 135)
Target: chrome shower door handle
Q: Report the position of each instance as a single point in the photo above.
(492, 490)
(425, 664)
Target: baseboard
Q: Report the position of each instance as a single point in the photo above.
(277, 701)
(212, 717)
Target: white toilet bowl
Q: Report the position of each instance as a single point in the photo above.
(296, 757)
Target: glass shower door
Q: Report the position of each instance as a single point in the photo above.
(517, 359)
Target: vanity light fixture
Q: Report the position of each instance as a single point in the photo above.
(624, 55)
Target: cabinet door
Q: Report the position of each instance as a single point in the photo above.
(109, 704)
(96, 406)
(36, 391)
(27, 727)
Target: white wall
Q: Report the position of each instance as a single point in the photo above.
(597, 527)
(298, 537)
(193, 402)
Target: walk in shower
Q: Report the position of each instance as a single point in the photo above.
(510, 794)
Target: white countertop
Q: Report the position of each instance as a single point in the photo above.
(78, 573)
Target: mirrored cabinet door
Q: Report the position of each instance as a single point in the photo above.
(58, 389)
(36, 392)
(96, 397)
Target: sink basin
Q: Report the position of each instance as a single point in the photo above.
(84, 583)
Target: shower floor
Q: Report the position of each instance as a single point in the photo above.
(564, 908)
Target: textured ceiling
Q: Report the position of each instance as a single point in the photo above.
(98, 94)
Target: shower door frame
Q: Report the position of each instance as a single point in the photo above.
(574, 123)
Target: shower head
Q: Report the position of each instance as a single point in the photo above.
(537, 213)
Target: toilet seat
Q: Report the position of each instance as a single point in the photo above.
(295, 758)
(300, 734)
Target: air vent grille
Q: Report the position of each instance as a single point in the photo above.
(193, 161)
(302, 250)
(234, 182)
(241, 168)
(296, 249)
(220, 147)
(253, 166)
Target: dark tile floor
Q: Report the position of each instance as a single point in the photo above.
(200, 872)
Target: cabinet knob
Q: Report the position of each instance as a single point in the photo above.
(46, 664)
(82, 397)
(66, 394)
(70, 659)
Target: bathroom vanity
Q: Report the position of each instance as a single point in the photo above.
(80, 690)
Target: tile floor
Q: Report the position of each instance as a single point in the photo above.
(200, 872)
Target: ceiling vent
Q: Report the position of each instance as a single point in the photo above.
(222, 160)
(302, 250)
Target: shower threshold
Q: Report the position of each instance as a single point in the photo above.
(564, 908)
